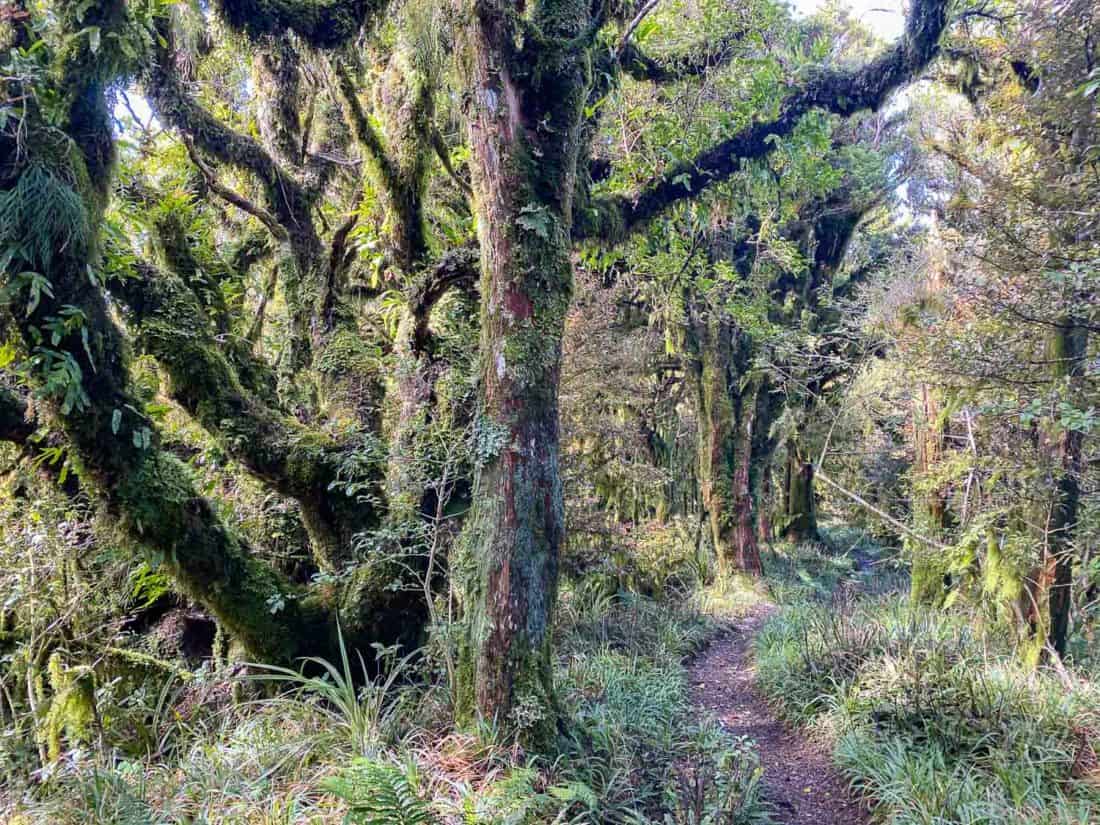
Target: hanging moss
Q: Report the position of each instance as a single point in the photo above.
(71, 717)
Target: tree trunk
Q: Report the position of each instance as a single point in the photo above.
(799, 507)
(727, 418)
(763, 514)
(929, 576)
(1063, 452)
(525, 114)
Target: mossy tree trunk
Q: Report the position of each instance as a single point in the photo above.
(799, 505)
(828, 231)
(764, 528)
(931, 501)
(524, 131)
(148, 492)
(734, 417)
(1062, 452)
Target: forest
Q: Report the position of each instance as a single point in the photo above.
(529, 412)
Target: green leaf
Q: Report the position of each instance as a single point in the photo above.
(536, 219)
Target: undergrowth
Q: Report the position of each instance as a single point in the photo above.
(320, 749)
(935, 722)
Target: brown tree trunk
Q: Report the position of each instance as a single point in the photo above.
(524, 137)
(728, 429)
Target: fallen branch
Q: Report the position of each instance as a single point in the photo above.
(889, 519)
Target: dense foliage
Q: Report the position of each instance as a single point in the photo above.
(396, 394)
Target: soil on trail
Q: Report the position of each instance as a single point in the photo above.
(800, 782)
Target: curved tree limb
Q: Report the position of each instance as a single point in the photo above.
(458, 268)
(288, 201)
(365, 133)
(632, 26)
(296, 461)
(839, 92)
(323, 24)
(444, 156)
(641, 66)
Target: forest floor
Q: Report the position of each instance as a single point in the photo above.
(800, 782)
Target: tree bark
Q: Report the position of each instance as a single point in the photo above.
(929, 576)
(729, 401)
(799, 505)
(1068, 348)
(524, 122)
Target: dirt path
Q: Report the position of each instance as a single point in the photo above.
(800, 782)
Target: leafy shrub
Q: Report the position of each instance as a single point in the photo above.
(658, 559)
(717, 783)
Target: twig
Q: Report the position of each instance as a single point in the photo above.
(638, 18)
(227, 194)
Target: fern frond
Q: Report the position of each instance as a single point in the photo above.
(381, 793)
(42, 215)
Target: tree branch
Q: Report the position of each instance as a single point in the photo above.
(231, 197)
(641, 66)
(643, 12)
(296, 461)
(457, 268)
(843, 93)
(324, 24)
(882, 514)
(444, 155)
(174, 105)
(365, 133)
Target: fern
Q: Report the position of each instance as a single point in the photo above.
(381, 793)
(41, 216)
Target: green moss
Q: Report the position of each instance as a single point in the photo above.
(345, 352)
(71, 717)
(928, 577)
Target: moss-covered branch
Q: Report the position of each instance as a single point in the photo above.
(840, 92)
(458, 269)
(323, 24)
(115, 447)
(298, 462)
(398, 156)
(234, 198)
(277, 70)
(361, 127)
(175, 106)
(288, 201)
(79, 365)
(641, 66)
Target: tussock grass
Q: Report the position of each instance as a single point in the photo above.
(934, 722)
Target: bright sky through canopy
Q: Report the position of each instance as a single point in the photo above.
(886, 18)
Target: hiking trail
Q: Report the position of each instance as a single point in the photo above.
(800, 782)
